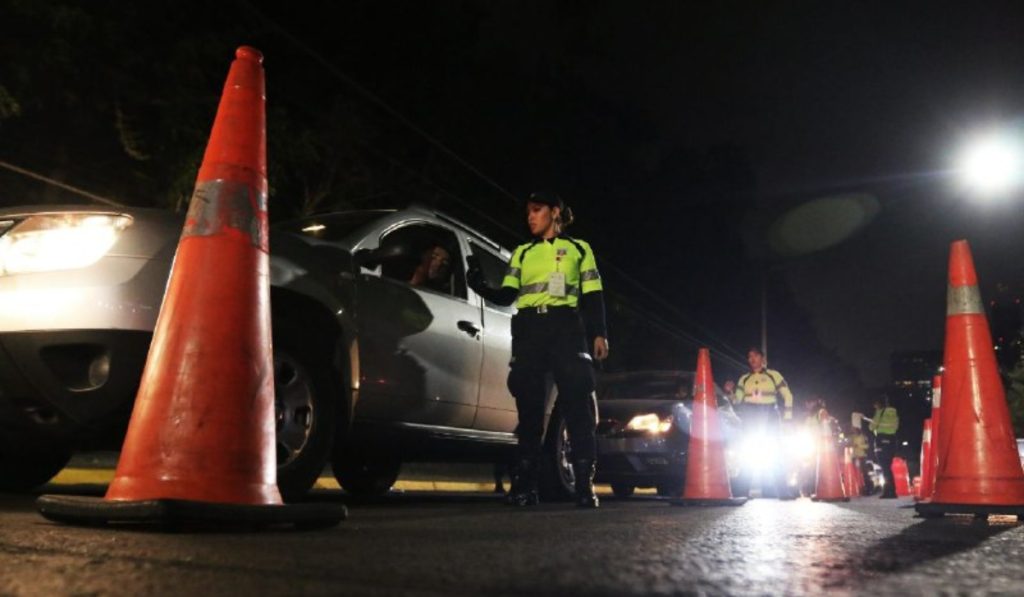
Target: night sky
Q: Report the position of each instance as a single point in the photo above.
(818, 98)
(679, 133)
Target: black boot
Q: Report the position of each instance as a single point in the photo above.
(524, 485)
(584, 471)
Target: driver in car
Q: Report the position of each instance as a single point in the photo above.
(433, 270)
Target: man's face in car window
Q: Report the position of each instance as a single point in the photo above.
(439, 263)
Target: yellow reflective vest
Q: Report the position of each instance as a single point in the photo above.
(765, 387)
(886, 421)
(531, 269)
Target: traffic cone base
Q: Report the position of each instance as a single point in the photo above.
(200, 443)
(91, 511)
(936, 510)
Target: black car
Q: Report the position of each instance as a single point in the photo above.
(643, 430)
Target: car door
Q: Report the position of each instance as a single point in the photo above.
(420, 345)
(496, 410)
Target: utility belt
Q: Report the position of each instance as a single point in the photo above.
(546, 310)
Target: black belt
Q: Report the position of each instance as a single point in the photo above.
(546, 310)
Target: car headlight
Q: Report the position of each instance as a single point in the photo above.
(802, 444)
(59, 241)
(651, 423)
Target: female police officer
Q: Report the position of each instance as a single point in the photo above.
(553, 280)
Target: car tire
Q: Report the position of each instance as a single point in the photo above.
(29, 465)
(623, 490)
(557, 481)
(363, 474)
(305, 407)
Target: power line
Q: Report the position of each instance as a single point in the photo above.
(59, 184)
(337, 72)
(373, 98)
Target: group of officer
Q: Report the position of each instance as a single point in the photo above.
(559, 328)
(760, 393)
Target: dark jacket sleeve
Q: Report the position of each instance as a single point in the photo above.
(504, 296)
(592, 309)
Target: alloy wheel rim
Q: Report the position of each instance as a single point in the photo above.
(293, 408)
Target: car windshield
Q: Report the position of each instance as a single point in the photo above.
(666, 388)
(331, 227)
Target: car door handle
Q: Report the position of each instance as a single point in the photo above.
(470, 328)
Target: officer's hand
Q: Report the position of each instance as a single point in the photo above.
(600, 348)
(474, 275)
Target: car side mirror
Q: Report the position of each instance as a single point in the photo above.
(368, 258)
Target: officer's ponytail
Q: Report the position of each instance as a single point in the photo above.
(567, 217)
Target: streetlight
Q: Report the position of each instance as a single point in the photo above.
(992, 164)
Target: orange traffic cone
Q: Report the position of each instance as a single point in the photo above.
(830, 476)
(200, 444)
(707, 478)
(925, 490)
(901, 475)
(928, 487)
(979, 471)
(850, 472)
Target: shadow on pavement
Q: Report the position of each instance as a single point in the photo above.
(929, 540)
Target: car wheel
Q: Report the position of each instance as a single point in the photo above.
(557, 481)
(305, 399)
(363, 474)
(622, 490)
(671, 488)
(29, 465)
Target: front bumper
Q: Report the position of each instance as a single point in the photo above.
(74, 388)
(643, 461)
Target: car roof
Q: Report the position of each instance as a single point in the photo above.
(414, 209)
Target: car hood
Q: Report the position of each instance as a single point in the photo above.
(624, 410)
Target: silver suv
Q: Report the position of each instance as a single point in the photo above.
(382, 354)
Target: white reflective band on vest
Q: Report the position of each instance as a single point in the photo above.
(539, 287)
(936, 397)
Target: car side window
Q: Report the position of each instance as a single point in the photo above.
(493, 267)
(425, 256)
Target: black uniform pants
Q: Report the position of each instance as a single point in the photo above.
(552, 342)
(885, 445)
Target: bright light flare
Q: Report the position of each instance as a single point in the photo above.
(802, 444)
(758, 452)
(993, 164)
(651, 423)
(57, 242)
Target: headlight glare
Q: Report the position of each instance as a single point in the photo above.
(52, 242)
(651, 423)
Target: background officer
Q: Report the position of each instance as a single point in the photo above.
(757, 397)
(885, 423)
(554, 281)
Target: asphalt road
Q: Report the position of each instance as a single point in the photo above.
(436, 543)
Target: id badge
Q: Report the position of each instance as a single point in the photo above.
(556, 285)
